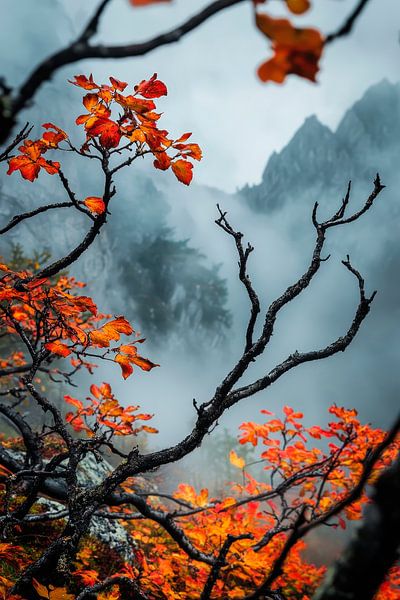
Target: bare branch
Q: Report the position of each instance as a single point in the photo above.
(22, 135)
(243, 276)
(219, 563)
(92, 26)
(124, 583)
(349, 23)
(28, 215)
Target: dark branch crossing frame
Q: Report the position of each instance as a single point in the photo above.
(14, 101)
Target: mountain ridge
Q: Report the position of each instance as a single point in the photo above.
(316, 157)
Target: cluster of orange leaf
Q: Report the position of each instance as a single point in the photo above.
(288, 451)
(164, 570)
(52, 318)
(104, 411)
(136, 124)
(297, 50)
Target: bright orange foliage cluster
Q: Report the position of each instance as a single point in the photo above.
(165, 569)
(136, 125)
(319, 477)
(31, 160)
(50, 315)
(105, 412)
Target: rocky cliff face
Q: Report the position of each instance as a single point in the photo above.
(319, 161)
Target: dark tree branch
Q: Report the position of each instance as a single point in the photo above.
(20, 137)
(92, 26)
(126, 585)
(28, 215)
(349, 23)
(219, 563)
(81, 49)
(302, 526)
(375, 548)
(243, 276)
(298, 358)
(72, 196)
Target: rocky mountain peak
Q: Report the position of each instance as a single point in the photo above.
(317, 158)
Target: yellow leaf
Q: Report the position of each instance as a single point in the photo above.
(236, 460)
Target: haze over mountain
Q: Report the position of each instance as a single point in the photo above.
(318, 161)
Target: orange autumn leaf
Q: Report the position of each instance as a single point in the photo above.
(153, 88)
(298, 7)
(282, 32)
(117, 84)
(95, 204)
(30, 161)
(84, 82)
(41, 589)
(129, 356)
(103, 391)
(108, 131)
(125, 365)
(110, 331)
(183, 170)
(236, 460)
(146, 2)
(58, 347)
(51, 593)
(296, 51)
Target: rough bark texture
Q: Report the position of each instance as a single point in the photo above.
(361, 569)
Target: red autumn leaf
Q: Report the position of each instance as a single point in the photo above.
(138, 105)
(95, 204)
(184, 137)
(189, 150)
(76, 422)
(145, 2)
(58, 347)
(84, 82)
(117, 84)
(125, 364)
(70, 400)
(183, 171)
(110, 331)
(108, 131)
(31, 161)
(153, 88)
(298, 6)
(162, 162)
(53, 138)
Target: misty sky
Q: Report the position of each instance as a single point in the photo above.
(213, 89)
